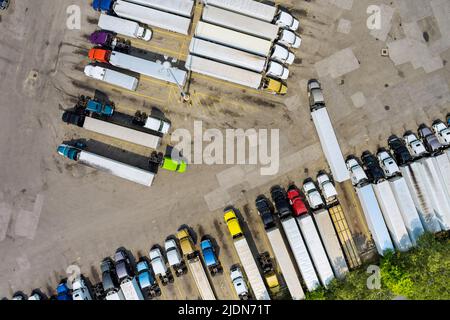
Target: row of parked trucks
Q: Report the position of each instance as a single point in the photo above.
(402, 195)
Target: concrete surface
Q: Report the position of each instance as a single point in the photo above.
(54, 213)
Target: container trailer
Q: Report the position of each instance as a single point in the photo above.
(112, 77)
(180, 7)
(124, 27)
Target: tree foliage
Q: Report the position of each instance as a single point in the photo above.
(423, 273)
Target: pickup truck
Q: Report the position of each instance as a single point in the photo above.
(239, 283)
(146, 280)
(159, 266)
(174, 257)
(210, 257)
(312, 194)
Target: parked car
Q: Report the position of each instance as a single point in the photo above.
(124, 268)
(357, 173)
(415, 146)
(432, 143)
(279, 197)
(265, 211)
(373, 169)
(297, 203)
(312, 194)
(174, 257)
(401, 152)
(387, 163)
(442, 132)
(210, 257)
(326, 187)
(239, 283)
(146, 279)
(109, 276)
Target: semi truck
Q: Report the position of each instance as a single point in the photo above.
(210, 257)
(234, 39)
(145, 15)
(258, 10)
(327, 136)
(195, 265)
(407, 208)
(111, 166)
(315, 248)
(331, 243)
(159, 266)
(392, 215)
(112, 77)
(438, 193)
(235, 75)
(420, 194)
(145, 67)
(245, 256)
(124, 27)
(300, 252)
(344, 235)
(130, 289)
(113, 130)
(180, 7)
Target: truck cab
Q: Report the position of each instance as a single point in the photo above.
(124, 269)
(415, 146)
(327, 187)
(146, 280)
(401, 152)
(357, 173)
(80, 289)
(281, 54)
(210, 257)
(289, 39)
(312, 194)
(233, 224)
(268, 270)
(315, 94)
(432, 143)
(99, 55)
(109, 276)
(373, 169)
(277, 70)
(174, 257)
(296, 202)
(159, 266)
(174, 165)
(186, 243)
(265, 211)
(282, 205)
(442, 132)
(239, 283)
(274, 86)
(286, 20)
(102, 38)
(100, 108)
(4, 4)
(102, 5)
(63, 292)
(387, 163)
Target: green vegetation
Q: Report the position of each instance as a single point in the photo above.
(423, 273)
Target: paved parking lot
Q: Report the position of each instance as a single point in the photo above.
(54, 213)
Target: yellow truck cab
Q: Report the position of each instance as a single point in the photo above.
(233, 223)
(186, 244)
(274, 86)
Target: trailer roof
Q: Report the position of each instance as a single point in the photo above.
(180, 7)
(247, 7)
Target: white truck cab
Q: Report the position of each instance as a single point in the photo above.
(326, 186)
(289, 39)
(388, 164)
(357, 173)
(442, 132)
(312, 195)
(157, 125)
(239, 283)
(174, 257)
(282, 55)
(159, 266)
(277, 70)
(315, 93)
(286, 20)
(80, 290)
(415, 146)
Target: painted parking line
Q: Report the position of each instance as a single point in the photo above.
(155, 48)
(125, 92)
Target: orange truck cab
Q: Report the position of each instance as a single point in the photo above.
(99, 55)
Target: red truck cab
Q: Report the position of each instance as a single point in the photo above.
(99, 55)
(298, 205)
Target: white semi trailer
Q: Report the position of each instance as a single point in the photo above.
(316, 249)
(407, 208)
(392, 216)
(124, 27)
(111, 166)
(300, 252)
(374, 218)
(285, 263)
(421, 197)
(112, 77)
(331, 243)
(180, 7)
(148, 68)
(152, 17)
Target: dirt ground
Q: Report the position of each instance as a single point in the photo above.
(55, 213)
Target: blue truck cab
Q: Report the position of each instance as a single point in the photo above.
(99, 108)
(210, 257)
(68, 152)
(63, 292)
(147, 281)
(4, 4)
(103, 5)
